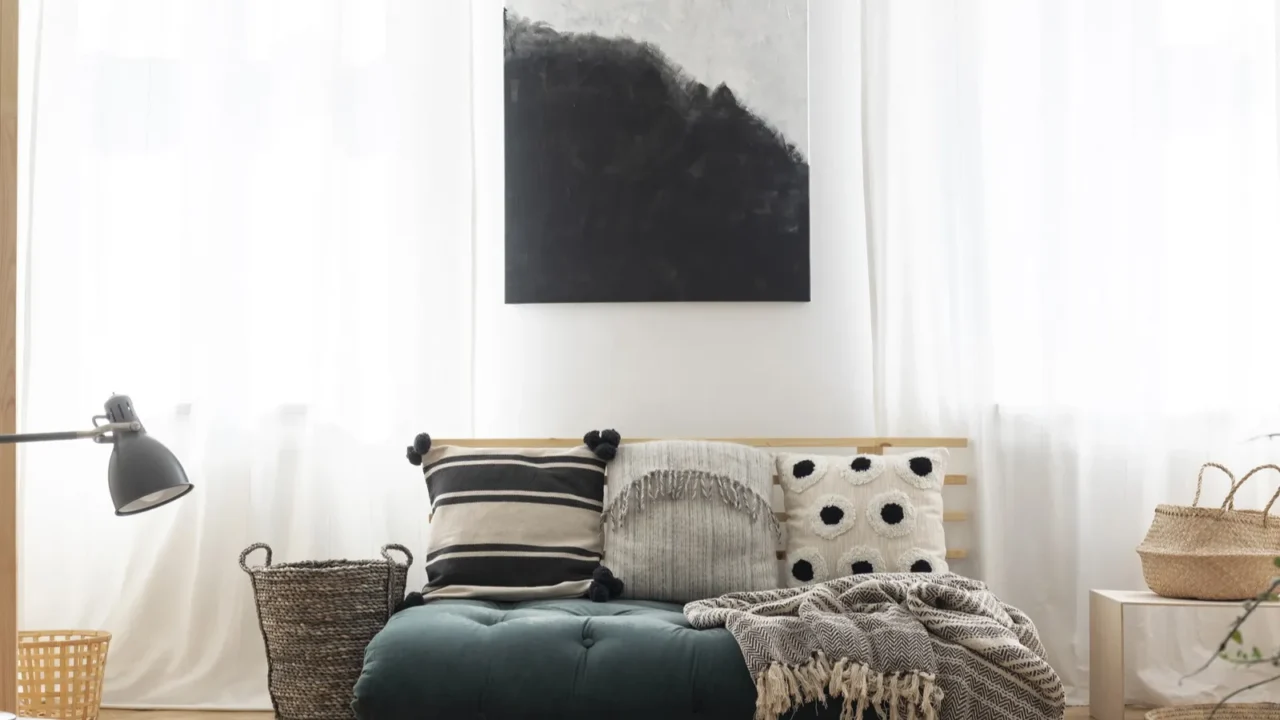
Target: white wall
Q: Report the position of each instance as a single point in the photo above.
(718, 369)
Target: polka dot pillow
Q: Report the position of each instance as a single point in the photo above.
(863, 514)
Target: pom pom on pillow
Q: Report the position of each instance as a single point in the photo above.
(603, 443)
(604, 586)
(421, 446)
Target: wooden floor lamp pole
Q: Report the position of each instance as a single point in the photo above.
(8, 353)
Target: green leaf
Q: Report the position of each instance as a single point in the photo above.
(1237, 637)
(1277, 562)
(1257, 654)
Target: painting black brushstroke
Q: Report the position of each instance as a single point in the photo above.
(629, 181)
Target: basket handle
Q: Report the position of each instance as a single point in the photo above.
(245, 555)
(396, 546)
(392, 600)
(1266, 512)
(1200, 485)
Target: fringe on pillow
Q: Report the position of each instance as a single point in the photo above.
(782, 689)
(685, 485)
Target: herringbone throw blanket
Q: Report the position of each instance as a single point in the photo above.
(910, 646)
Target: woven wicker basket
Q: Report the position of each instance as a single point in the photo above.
(1241, 711)
(60, 673)
(1212, 553)
(317, 617)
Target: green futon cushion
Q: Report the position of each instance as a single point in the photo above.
(564, 659)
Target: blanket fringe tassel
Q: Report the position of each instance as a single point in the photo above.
(784, 688)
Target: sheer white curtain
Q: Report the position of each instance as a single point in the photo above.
(1074, 225)
(254, 217)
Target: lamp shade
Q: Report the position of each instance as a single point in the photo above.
(142, 473)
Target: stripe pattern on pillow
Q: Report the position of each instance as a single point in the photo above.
(513, 524)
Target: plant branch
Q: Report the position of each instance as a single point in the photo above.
(1249, 608)
(1245, 662)
(1246, 688)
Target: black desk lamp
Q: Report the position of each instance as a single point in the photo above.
(142, 473)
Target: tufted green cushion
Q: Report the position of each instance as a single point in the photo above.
(564, 659)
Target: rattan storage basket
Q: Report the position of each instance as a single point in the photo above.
(1212, 553)
(317, 617)
(1231, 711)
(60, 673)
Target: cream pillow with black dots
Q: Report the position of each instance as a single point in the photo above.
(863, 514)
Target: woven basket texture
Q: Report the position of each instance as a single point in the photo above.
(1212, 553)
(317, 617)
(60, 673)
(1240, 711)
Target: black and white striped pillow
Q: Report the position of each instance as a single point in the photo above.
(513, 524)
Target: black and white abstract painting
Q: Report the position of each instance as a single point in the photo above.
(656, 150)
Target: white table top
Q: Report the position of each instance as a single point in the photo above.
(1146, 597)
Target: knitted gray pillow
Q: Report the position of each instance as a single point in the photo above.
(687, 520)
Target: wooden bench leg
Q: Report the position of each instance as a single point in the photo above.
(1106, 658)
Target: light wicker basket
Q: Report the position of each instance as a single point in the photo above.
(1212, 553)
(1230, 711)
(60, 673)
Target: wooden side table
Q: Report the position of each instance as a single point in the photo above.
(1106, 643)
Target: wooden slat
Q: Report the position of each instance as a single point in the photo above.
(947, 516)
(952, 554)
(948, 480)
(877, 443)
(8, 353)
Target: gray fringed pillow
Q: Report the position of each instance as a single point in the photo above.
(687, 520)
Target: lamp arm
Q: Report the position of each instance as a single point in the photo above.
(100, 433)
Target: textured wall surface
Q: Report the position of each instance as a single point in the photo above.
(759, 48)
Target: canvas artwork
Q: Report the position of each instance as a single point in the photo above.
(656, 150)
